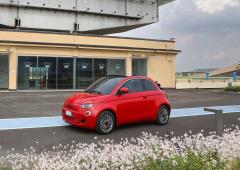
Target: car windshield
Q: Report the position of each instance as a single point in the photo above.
(104, 85)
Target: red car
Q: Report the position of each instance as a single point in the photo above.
(115, 100)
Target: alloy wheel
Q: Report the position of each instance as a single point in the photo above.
(163, 115)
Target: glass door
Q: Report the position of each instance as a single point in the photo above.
(100, 68)
(65, 73)
(47, 67)
(139, 67)
(27, 73)
(4, 74)
(84, 72)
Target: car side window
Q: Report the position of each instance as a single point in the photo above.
(134, 85)
(148, 85)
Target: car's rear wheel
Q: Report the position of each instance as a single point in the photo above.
(163, 115)
(105, 123)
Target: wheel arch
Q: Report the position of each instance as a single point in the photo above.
(167, 105)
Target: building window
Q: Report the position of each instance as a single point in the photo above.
(116, 67)
(57, 72)
(100, 68)
(4, 68)
(47, 72)
(65, 73)
(27, 77)
(139, 67)
(84, 72)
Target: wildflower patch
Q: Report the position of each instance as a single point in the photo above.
(146, 152)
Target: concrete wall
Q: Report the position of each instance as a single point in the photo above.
(191, 84)
(85, 16)
(160, 54)
(162, 68)
(69, 40)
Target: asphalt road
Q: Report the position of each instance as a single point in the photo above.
(22, 104)
(14, 105)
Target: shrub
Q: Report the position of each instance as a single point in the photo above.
(189, 161)
(234, 88)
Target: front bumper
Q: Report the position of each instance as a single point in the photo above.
(79, 116)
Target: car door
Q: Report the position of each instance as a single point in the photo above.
(131, 107)
(151, 96)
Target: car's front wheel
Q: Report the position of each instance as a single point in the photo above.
(163, 115)
(105, 123)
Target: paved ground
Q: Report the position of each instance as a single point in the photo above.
(45, 138)
(201, 98)
(14, 105)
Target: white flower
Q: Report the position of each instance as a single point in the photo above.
(127, 154)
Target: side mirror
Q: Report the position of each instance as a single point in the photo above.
(123, 90)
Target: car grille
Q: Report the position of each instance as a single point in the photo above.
(69, 106)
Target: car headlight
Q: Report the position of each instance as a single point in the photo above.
(86, 105)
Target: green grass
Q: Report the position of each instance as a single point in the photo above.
(5, 168)
(234, 165)
(191, 161)
(234, 88)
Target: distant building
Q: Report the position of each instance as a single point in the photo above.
(196, 73)
(213, 72)
(226, 71)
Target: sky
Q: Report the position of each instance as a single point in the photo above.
(207, 32)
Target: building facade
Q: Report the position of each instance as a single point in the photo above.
(56, 61)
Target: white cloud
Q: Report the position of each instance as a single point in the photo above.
(205, 40)
(213, 6)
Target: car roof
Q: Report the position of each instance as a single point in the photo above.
(114, 76)
(137, 77)
(128, 77)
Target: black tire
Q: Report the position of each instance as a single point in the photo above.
(163, 115)
(105, 123)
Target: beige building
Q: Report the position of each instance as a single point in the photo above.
(52, 61)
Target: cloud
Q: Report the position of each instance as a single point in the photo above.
(213, 6)
(206, 41)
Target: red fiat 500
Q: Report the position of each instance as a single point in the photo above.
(115, 100)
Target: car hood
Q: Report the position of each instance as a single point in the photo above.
(82, 97)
